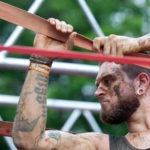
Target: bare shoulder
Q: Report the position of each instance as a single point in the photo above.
(59, 140)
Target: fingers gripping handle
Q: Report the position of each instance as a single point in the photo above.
(35, 23)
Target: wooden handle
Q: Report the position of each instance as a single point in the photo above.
(35, 23)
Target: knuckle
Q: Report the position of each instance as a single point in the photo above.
(57, 21)
(63, 22)
(51, 18)
(70, 26)
(111, 36)
(97, 39)
(114, 40)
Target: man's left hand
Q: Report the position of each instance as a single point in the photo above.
(116, 45)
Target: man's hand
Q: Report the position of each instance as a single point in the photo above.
(116, 45)
(44, 42)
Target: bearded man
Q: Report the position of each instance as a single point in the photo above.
(123, 90)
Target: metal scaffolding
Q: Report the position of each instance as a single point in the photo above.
(57, 67)
(78, 107)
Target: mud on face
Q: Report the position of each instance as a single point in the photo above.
(123, 109)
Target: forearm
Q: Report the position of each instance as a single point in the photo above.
(144, 42)
(30, 118)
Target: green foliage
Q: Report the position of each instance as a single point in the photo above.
(122, 17)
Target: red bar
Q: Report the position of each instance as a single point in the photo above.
(135, 60)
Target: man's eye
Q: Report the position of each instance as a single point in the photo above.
(97, 84)
(107, 81)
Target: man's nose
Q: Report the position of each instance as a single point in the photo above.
(99, 93)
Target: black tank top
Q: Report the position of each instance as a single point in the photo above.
(121, 143)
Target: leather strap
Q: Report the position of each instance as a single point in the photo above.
(143, 61)
(5, 128)
(35, 23)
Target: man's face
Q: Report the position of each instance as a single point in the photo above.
(116, 93)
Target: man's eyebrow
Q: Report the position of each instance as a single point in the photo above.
(105, 76)
(101, 78)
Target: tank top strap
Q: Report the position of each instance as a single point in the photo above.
(120, 143)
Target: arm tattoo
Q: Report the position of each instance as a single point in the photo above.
(18, 119)
(55, 135)
(39, 90)
(26, 126)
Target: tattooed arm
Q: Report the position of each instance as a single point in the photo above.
(30, 119)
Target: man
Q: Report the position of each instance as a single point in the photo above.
(124, 97)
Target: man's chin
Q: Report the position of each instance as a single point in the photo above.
(109, 118)
(111, 122)
(116, 114)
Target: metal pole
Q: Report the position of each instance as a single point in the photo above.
(18, 30)
(71, 120)
(91, 18)
(57, 67)
(92, 122)
(10, 100)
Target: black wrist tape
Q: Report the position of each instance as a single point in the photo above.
(41, 60)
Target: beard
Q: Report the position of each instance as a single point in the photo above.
(121, 111)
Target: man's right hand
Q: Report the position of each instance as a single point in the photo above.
(44, 42)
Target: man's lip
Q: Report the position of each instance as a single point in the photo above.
(103, 101)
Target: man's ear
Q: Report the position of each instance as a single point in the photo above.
(141, 83)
